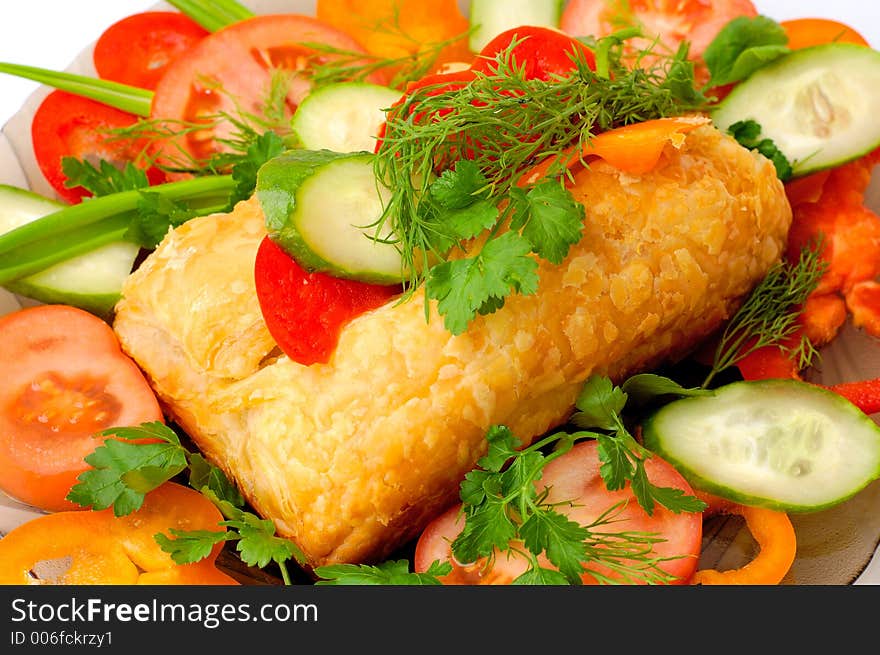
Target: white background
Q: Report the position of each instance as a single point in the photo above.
(50, 33)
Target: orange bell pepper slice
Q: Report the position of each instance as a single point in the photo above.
(97, 548)
(778, 545)
(634, 149)
(394, 29)
(806, 32)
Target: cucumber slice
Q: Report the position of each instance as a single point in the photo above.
(489, 18)
(91, 281)
(343, 117)
(819, 105)
(781, 444)
(322, 207)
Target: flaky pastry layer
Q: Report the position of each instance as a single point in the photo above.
(351, 459)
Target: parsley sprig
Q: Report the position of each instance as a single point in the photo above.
(503, 507)
(453, 158)
(392, 572)
(507, 513)
(144, 457)
(600, 407)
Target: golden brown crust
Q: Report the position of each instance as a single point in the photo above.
(352, 458)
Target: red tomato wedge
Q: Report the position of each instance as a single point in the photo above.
(539, 51)
(573, 480)
(231, 72)
(673, 21)
(305, 312)
(137, 49)
(68, 125)
(64, 378)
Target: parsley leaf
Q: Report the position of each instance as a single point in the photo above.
(479, 284)
(393, 572)
(600, 405)
(748, 134)
(103, 179)
(189, 546)
(743, 46)
(257, 543)
(204, 475)
(156, 214)
(642, 388)
(264, 147)
(457, 187)
(504, 512)
(125, 469)
(551, 219)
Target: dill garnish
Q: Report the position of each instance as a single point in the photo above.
(503, 123)
(769, 316)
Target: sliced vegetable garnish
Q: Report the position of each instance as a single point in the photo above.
(781, 444)
(552, 521)
(65, 379)
(305, 312)
(806, 32)
(81, 228)
(256, 68)
(100, 548)
(816, 104)
(68, 125)
(139, 48)
(777, 545)
(91, 281)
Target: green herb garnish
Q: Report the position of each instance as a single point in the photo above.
(127, 468)
(392, 572)
(743, 46)
(769, 316)
(748, 134)
(485, 123)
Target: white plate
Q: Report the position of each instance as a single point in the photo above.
(834, 547)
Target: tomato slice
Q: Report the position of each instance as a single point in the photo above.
(305, 312)
(673, 21)
(139, 48)
(574, 482)
(231, 72)
(64, 378)
(68, 125)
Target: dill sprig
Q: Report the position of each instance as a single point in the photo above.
(233, 133)
(503, 123)
(331, 65)
(769, 316)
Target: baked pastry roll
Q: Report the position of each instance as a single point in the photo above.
(352, 458)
